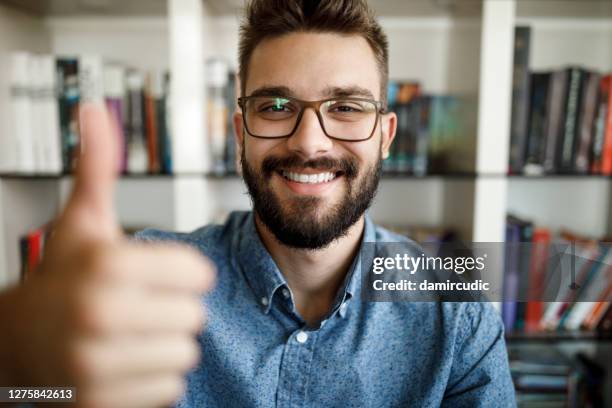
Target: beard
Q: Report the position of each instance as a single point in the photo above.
(301, 222)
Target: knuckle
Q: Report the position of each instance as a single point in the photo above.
(92, 316)
(101, 262)
(81, 364)
(195, 314)
(189, 354)
(174, 388)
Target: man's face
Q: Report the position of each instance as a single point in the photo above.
(313, 66)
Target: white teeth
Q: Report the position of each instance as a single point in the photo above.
(309, 178)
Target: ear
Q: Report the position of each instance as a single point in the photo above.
(389, 127)
(238, 137)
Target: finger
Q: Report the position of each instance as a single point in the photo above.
(163, 266)
(126, 358)
(152, 391)
(116, 311)
(90, 208)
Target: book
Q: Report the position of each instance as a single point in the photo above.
(599, 131)
(114, 95)
(537, 274)
(161, 91)
(568, 143)
(606, 94)
(151, 92)
(231, 96)
(594, 289)
(49, 110)
(520, 99)
(523, 252)
(511, 275)
(217, 110)
(590, 97)
(555, 119)
(43, 113)
(535, 144)
(135, 129)
(21, 132)
(68, 95)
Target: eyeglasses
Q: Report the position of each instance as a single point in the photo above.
(274, 117)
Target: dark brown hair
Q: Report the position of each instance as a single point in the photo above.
(273, 18)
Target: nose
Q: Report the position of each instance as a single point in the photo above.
(309, 140)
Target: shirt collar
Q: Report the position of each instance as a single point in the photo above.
(265, 278)
(260, 270)
(352, 282)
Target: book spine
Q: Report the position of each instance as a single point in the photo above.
(137, 151)
(599, 131)
(21, 103)
(217, 72)
(50, 113)
(511, 276)
(587, 119)
(606, 164)
(37, 127)
(535, 149)
(524, 257)
(91, 79)
(114, 94)
(570, 126)
(151, 127)
(556, 115)
(520, 99)
(69, 96)
(537, 272)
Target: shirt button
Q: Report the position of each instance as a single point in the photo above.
(285, 293)
(301, 337)
(264, 301)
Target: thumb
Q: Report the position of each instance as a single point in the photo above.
(90, 208)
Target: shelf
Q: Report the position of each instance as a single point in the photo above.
(20, 176)
(66, 8)
(599, 9)
(558, 176)
(384, 8)
(556, 337)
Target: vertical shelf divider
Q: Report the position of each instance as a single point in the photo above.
(497, 41)
(495, 90)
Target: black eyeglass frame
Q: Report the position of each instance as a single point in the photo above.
(316, 106)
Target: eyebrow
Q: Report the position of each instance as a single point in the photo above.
(347, 91)
(329, 92)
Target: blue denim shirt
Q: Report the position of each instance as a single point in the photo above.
(258, 352)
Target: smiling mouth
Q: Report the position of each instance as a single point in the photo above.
(310, 178)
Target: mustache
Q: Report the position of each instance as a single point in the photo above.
(348, 166)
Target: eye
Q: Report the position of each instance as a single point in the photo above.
(275, 105)
(346, 107)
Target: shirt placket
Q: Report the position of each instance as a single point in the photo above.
(295, 369)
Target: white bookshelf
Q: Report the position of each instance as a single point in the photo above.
(460, 47)
(566, 33)
(442, 49)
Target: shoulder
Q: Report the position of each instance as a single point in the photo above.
(210, 239)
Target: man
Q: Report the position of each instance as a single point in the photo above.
(287, 322)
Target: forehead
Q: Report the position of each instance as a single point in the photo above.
(310, 64)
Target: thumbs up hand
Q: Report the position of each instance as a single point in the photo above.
(115, 319)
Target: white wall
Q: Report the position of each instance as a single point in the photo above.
(141, 42)
(580, 204)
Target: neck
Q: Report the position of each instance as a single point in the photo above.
(314, 276)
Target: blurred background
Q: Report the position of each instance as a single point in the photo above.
(505, 135)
